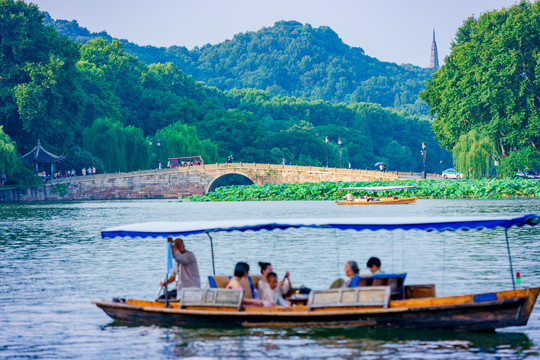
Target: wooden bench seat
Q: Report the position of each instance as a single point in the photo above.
(214, 298)
(395, 281)
(370, 297)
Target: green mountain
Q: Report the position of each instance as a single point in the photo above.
(289, 59)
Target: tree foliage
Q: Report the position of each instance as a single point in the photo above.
(474, 154)
(290, 59)
(120, 148)
(99, 105)
(491, 81)
(179, 139)
(525, 158)
(40, 95)
(8, 154)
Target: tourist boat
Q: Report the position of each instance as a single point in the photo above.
(390, 200)
(378, 301)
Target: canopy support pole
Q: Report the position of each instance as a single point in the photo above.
(166, 290)
(510, 259)
(212, 251)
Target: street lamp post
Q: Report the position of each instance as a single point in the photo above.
(424, 154)
(326, 141)
(340, 153)
(158, 144)
(158, 158)
(150, 144)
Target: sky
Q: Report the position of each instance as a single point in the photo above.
(399, 31)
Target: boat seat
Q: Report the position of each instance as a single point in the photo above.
(419, 291)
(395, 281)
(218, 281)
(255, 280)
(215, 298)
(221, 281)
(372, 296)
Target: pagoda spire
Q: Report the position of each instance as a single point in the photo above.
(434, 62)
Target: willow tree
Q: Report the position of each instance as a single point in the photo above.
(179, 140)
(474, 154)
(120, 148)
(8, 154)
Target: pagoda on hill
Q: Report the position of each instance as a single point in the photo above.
(434, 62)
(39, 155)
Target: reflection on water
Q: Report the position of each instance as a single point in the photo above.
(53, 263)
(345, 343)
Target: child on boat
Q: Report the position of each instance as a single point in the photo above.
(275, 291)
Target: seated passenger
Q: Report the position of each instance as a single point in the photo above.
(374, 265)
(351, 270)
(262, 286)
(241, 270)
(349, 196)
(274, 293)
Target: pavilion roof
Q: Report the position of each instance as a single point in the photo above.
(39, 154)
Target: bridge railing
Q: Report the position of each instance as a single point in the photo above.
(240, 165)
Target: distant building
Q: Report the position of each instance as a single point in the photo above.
(434, 62)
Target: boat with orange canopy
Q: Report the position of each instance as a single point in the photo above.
(368, 200)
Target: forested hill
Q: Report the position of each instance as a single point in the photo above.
(288, 58)
(103, 107)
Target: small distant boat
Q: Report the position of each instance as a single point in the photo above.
(390, 200)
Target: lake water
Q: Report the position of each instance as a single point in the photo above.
(53, 263)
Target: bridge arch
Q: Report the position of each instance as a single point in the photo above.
(232, 178)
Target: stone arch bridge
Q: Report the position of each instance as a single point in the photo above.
(183, 181)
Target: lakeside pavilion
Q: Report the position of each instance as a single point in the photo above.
(38, 155)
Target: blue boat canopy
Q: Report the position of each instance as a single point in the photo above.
(165, 229)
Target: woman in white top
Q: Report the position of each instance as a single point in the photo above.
(262, 286)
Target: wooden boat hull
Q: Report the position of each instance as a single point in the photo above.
(481, 312)
(381, 201)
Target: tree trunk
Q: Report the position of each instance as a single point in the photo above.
(503, 152)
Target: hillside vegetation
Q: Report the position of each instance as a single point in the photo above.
(290, 59)
(101, 106)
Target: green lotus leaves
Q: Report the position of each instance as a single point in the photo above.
(427, 189)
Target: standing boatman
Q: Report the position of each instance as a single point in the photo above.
(185, 270)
